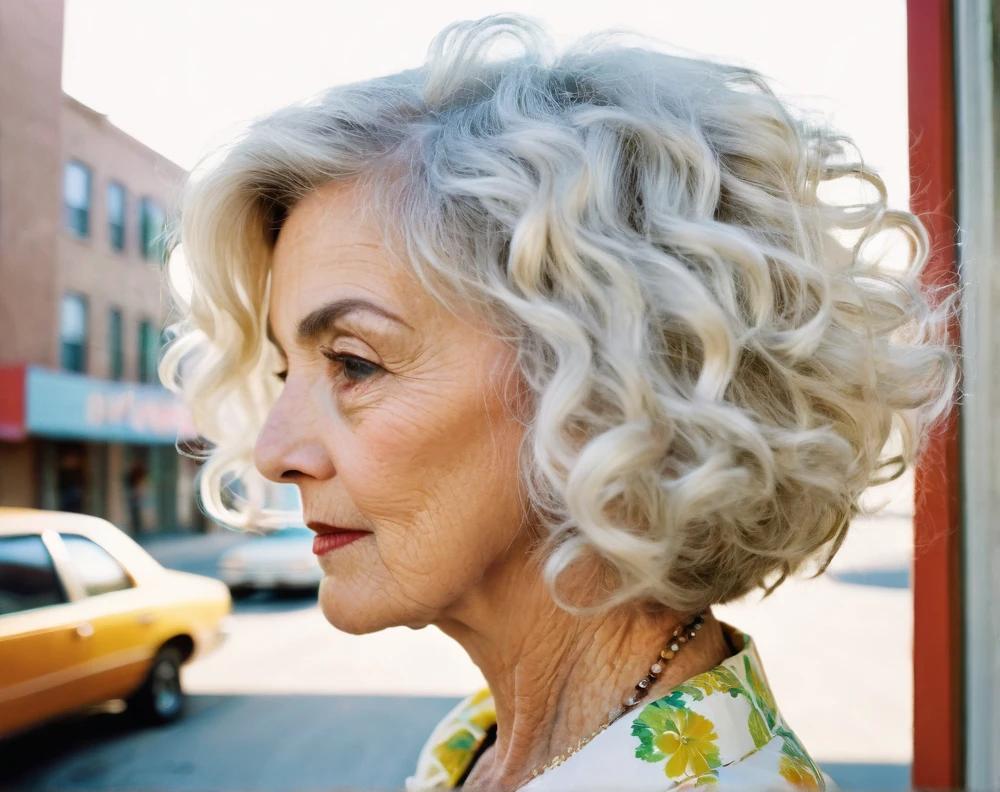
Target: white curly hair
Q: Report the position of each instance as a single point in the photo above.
(716, 364)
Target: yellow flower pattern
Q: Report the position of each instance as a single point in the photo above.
(453, 754)
(689, 747)
(797, 772)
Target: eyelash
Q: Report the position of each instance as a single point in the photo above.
(344, 360)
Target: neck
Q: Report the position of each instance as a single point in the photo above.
(555, 677)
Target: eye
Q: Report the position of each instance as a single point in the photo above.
(354, 368)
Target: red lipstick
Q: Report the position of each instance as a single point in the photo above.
(330, 537)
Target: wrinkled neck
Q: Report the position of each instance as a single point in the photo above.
(556, 677)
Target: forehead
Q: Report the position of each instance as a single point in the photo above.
(327, 248)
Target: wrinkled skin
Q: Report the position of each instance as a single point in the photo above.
(419, 448)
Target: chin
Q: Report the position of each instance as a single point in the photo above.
(359, 613)
(348, 614)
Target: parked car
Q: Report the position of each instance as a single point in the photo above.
(88, 616)
(279, 560)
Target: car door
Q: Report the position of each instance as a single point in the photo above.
(44, 651)
(118, 614)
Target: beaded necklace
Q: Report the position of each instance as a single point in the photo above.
(680, 636)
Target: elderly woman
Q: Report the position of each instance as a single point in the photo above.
(560, 351)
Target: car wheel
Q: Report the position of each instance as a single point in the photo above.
(160, 698)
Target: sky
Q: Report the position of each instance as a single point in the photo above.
(184, 76)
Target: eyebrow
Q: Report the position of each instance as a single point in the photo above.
(318, 322)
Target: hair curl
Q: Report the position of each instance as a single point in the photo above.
(716, 366)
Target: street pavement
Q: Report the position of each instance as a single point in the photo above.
(257, 743)
(290, 703)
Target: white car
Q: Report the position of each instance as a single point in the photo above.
(280, 560)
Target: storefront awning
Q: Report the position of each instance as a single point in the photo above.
(36, 401)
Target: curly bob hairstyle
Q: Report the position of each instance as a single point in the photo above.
(715, 356)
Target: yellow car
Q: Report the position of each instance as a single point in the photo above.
(87, 615)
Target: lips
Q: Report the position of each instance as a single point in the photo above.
(330, 537)
(325, 542)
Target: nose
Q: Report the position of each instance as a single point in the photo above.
(289, 446)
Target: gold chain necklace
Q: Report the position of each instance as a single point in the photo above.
(680, 636)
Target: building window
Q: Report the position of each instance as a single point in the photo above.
(148, 351)
(76, 198)
(116, 215)
(73, 332)
(116, 367)
(151, 230)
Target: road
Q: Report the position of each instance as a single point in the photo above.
(290, 703)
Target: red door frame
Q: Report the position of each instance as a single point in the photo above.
(938, 707)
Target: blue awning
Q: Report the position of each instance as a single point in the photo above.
(62, 404)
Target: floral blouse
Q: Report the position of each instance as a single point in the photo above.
(719, 727)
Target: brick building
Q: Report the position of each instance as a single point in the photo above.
(84, 425)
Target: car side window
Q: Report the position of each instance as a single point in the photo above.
(98, 571)
(28, 579)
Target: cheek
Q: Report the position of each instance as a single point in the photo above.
(436, 476)
(375, 463)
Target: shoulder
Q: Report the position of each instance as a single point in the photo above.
(720, 727)
(454, 743)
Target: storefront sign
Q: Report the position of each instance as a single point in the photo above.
(65, 405)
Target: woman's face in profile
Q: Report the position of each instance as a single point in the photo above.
(397, 426)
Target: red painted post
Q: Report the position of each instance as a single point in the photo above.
(938, 712)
